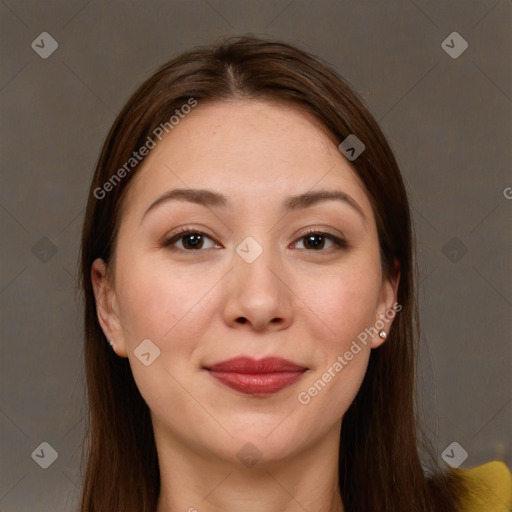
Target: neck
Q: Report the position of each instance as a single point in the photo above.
(194, 481)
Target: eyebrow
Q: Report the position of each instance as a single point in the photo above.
(208, 198)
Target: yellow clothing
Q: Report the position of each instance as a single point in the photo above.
(490, 488)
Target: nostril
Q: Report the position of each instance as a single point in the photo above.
(241, 319)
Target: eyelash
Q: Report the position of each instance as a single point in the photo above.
(168, 243)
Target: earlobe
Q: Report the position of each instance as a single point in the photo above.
(105, 298)
(388, 306)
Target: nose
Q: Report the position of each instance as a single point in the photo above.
(257, 294)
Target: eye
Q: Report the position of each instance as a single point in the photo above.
(192, 240)
(316, 240)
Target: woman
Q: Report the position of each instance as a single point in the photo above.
(247, 252)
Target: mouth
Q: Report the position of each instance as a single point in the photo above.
(256, 377)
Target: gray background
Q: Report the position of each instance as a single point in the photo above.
(448, 120)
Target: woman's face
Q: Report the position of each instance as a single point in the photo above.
(253, 285)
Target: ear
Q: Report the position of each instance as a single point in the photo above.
(106, 307)
(388, 306)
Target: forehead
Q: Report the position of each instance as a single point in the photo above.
(250, 150)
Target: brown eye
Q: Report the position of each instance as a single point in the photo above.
(315, 240)
(193, 241)
(190, 241)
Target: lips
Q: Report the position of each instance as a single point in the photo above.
(257, 377)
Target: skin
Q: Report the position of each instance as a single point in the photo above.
(299, 302)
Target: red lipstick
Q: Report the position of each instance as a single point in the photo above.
(256, 377)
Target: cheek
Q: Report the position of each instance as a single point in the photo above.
(159, 303)
(342, 304)
(345, 305)
(173, 309)
(168, 308)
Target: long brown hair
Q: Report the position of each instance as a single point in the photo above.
(385, 461)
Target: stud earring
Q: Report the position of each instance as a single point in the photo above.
(383, 334)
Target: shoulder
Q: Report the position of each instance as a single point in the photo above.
(489, 488)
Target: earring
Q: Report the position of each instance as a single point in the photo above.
(112, 344)
(383, 334)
